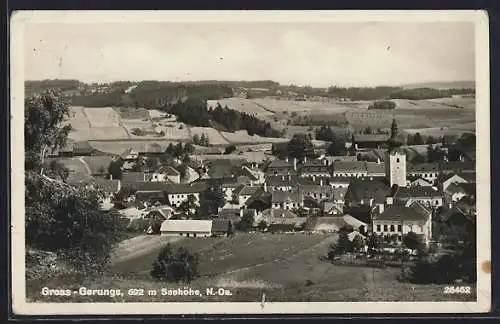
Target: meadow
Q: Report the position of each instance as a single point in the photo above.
(287, 267)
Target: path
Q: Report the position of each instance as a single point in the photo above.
(85, 164)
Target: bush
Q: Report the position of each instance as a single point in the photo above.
(175, 265)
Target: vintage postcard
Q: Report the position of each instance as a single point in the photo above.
(250, 162)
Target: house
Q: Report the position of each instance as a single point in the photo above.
(355, 223)
(318, 192)
(454, 192)
(287, 199)
(338, 195)
(282, 167)
(428, 196)
(332, 209)
(83, 149)
(244, 192)
(419, 181)
(325, 224)
(282, 220)
(350, 169)
(427, 171)
(366, 192)
(162, 212)
(129, 155)
(317, 168)
(453, 215)
(260, 201)
(375, 169)
(280, 182)
(366, 141)
(133, 177)
(151, 192)
(166, 174)
(401, 218)
(447, 179)
(179, 192)
(222, 227)
(187, 228)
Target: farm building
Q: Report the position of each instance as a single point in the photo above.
(166, 174)
(287, 200)
(66, 151)
(318, 168)
(83, 149)
(151, 192)
(244, 192)
(132, 177)
(350, 169)
(187, 228)
(317, 192)
(282, 220)
(221, 227)
(179, 192)
(366, 141)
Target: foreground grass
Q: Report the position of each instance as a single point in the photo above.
(285, 267)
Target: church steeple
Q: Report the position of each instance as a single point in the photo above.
(394, 141)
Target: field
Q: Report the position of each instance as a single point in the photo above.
(95, 163)
(287, 267)
(242, 137)
(78, 170)
(117, 147)
(214, 136)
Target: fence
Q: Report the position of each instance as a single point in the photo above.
(379, 261)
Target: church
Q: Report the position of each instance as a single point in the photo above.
(396, 208)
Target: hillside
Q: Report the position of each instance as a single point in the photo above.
(442, 85)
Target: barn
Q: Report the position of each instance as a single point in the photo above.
(186, 227)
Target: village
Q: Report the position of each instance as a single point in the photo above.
(383, 195)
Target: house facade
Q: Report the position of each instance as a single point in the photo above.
(186, 227)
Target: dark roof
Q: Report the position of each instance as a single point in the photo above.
(221, 225)
(469, 176)
(416, 192)
(149, 186)
(342, 166)
(281, 180)
(83, 147)
(379, 138)
(397, 150)
(458, 166)
(286, 196)
(469, 188)
(232, 214)
(445, 213)
(423, 167)
(264, 199)
(454, 188)
(133, 177)
(280, 164)
(375, 168)
(194, 187)
(363, 189)
(168, 170)
(316, 189)
(414, 212)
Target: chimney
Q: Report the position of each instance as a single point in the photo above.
(110, 176)
(286, 159)
(450, 205)
(251, 183)
(305, 159)
(371, 202)
(388, 200)
(321, 182)
(289, 177)
(314, 177)
(265, 186)
(282, 177)
(378, 161)
(295, 164)
(381, 208)
(241, 212)
(325, 162)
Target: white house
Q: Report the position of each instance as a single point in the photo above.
(187, 228)
(178, 193)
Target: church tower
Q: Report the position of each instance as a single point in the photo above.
(395, 159)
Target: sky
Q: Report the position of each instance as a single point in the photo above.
(315, 54)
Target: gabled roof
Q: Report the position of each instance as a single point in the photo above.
(446, 213)
(188, 225)
(280, 164)
(358, 166)
(339, 193)
(145, 186)
(128, 177)
(325, 189)
(126, 153)
(416, 192)
(168, 170)
(421, 181)
(179, 188)
(354, 222)
(375, 168)
(457, 166)
(454, 188)
(423, 167)
(364, 189)
(468, 188)
(400, 212)
(286, 196)
(284, 180)
(331, 207)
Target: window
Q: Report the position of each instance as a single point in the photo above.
(397, 160)
(378, 227)
(392, 228)
(400, 228)
(437, 202)
(385, 228)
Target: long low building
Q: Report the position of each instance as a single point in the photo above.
(188, 228)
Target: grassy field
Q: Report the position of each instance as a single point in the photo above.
(287, 267)
(77, 169)
(118, 146)
(214, 136)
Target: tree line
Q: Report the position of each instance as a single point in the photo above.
(195, 112)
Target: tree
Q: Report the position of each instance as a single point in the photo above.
(175, 265)
(210, 201)
(60, 217)
(43, 132)
(170, 149)
(229, 149)
(300, 146)
(189, 206)
(262, 226)
(188, 148)
(115, 169)
(246, 222)
(358, 243)
(58, 170)
(430, 140)
(368, 130)
(178, 150)
(373, 242)
(186, 159)
(412, 241)
(101, 170)
(123, 194)
(417, 139)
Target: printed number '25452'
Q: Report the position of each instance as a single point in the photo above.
(457, 290)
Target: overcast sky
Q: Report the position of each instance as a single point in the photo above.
(316, 54)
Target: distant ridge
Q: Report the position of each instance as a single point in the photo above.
(442, 85)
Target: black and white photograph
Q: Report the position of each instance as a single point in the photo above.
(250, 162)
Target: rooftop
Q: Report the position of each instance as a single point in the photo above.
(416, 192)
(286, 196)
(188, 225)
(364, 189)
(400, 212)
(341, 166)
(371, 138)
